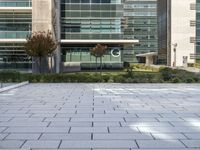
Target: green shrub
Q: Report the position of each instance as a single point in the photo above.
(10, 76)
(118, 79)
(176, 80)
(129, 80)
(167, 73)
(190, 80)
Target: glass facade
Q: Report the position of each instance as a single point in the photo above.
(91, 19)
(198, 30)
(14, 25)
(15, 3)
(141, 20)
(81, 53)
(85, 20)
(12, 56)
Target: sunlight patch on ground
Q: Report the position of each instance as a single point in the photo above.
(147, 129)
(194, 122)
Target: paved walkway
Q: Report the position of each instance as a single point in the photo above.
(99, 117)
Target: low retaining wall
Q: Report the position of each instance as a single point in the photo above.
(13, 86)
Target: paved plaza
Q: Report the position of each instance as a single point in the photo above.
(101, 116)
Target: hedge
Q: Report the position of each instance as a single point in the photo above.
(165, 75)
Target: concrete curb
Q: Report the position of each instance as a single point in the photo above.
(13, 86)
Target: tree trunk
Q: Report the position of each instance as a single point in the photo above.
(40, 63)
(96, 64)
(101, 66)
(51, 63)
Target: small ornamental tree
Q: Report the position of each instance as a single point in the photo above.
(40, 45)
(98, 52)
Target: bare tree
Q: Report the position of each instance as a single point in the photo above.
(98, 52)
(40, 44)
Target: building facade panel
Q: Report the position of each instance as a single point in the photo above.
(91, 20)
(176, 32)
(141, 24)
(15, 24)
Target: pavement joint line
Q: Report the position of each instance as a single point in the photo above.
(23, 144)
(69, 130)
(59, 145)
(48, 124)
(137, 144)
(183, 143)
(4, 130)
(186, 136)
(6, 136)
(40, 136)
(152, 136)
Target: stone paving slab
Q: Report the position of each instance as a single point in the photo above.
(123, 136)
(155, 144)
(100, 117)
(41, 144)
(192, 143)
(66, 136)
(37, 130)
(13, 136)
(99, 144)
(11, 144)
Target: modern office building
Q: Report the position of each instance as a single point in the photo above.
(176, 32)
(132, 29)
(141, 17)
(78, 25)
(84, 23)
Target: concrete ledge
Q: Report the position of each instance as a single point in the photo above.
(13, 86)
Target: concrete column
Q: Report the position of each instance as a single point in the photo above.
(42, 20)
(149, 60)
(42, 15)
(58, 35)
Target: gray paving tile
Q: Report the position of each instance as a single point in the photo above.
(123, 130)
(66, 137)
(122, 136)
(2, 129)
(192, 143)
(2, 136)
(96, 119)
(89, 130)
(193, 136)
(145, 124)
(106, 124)
(99, 144)
(83, 118)
(23, 136)
(60, 149)
(11, 144)
(37, 130)
(162, 144)
(23, 124)
(41, 144)
(169, 149)
(69, 124)
(168, 136)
